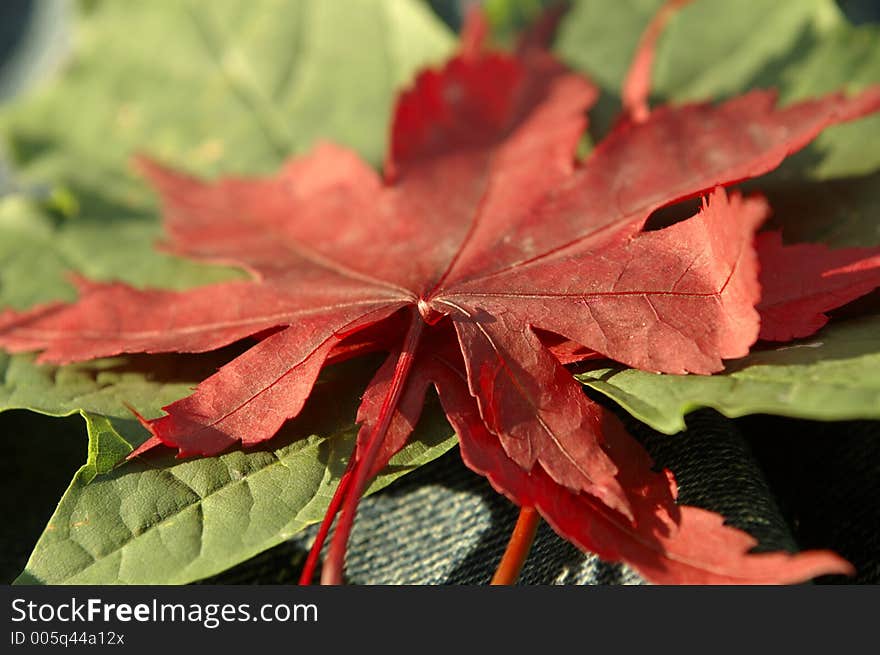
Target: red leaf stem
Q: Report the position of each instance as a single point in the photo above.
(339, 495)
(518, 547)
(363, 467)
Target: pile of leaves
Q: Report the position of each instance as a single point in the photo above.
(496, 249)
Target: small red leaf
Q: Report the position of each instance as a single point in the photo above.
(800, 282)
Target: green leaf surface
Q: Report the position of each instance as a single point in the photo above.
(714, 49)
(230, 85)
(104, 387)
(834, 375)
(164, 521)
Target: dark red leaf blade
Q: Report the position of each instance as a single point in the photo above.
(501, 131)
(676, 300)
(247, 222)
(113, 318)
(698, 147)
(536, 408)
(801, 282)
(666, 544)
(250, 398)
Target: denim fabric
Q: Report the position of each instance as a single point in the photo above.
(444, 525)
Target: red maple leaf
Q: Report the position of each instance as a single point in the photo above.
(799, 282)
(485, 258)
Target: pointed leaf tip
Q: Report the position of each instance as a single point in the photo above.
(637, 84)
(474, 31)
